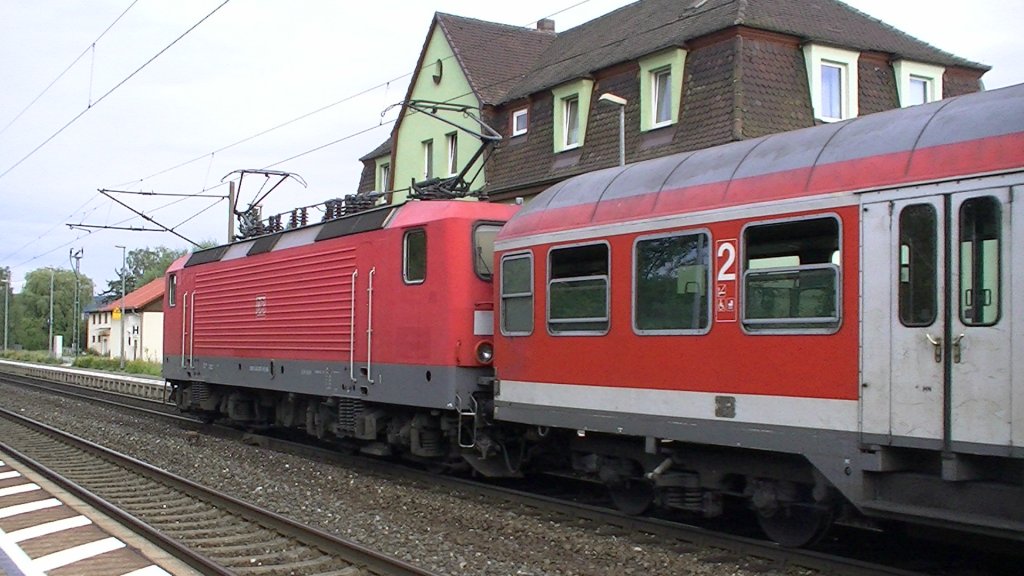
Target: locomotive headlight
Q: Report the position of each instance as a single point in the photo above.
(485, 352)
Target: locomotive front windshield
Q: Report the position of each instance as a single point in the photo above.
(483, 249)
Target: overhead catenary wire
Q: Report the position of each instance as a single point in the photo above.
(111, 91)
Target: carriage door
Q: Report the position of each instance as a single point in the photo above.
(936, 322)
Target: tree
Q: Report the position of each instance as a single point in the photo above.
(143, 265)
(31, 308)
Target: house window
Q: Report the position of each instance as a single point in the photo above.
(383, 177)
(428, 159)
(791, 275)
(453, 153)
(578, 289)
(571, 106)
(414, 257)
(832, 78)
(918, 83)
(517, 294)
(662, 101)
(832, 88)
(661, 88)
(670, 284)
(520, 120)
(172, 290)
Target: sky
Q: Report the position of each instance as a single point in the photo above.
(171, 96)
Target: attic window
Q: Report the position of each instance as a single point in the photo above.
(520, 122)
(661, 88)
(571, 108)
(833, 81)
(918, 83)
(438, 71)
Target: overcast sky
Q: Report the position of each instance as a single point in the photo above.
(251, 66)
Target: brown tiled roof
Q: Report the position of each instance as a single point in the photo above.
(383, 150)
(493, 56)
(137, 299)
(648, 26)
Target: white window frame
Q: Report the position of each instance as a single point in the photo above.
(907, 70)
(525, 115)
(816, 56)
(580, 91)
(428, 159)
(657, 95)
(383, 176)
(452, 141)
(569, 104)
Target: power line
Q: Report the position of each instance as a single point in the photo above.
(109, 92)
(91, 47)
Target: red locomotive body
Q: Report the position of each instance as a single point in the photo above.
(321, 324)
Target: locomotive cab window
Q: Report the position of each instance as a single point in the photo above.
(414, 257)
(172, 290)
(483, 249)
(670, 284)
(791, 275)
(517, 294)
(578, 289)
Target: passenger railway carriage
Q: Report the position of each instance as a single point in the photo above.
(824, 312)
(821, 325)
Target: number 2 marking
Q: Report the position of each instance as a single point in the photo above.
(727, 250)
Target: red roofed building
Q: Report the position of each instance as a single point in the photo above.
(143, 319)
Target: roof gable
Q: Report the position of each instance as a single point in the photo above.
(140, 298)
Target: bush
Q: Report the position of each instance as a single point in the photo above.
(114, 365)
(37, 356)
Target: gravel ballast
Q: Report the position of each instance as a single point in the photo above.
(435, 527)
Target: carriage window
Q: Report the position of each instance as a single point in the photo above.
(172, 289)
(670, 292)
(517, 294)
(791, 275)
(483, 249)
(414, 267)
(918, 281)
(578, 289)
(980, 237)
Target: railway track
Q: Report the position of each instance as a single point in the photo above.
(758, 554)
(209, 530)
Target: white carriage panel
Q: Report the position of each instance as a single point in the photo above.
(1016, 297)
(876, 315)
(817, 413)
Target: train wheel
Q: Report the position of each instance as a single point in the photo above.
(795, 525)
(632, 497)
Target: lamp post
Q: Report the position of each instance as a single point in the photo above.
(123, 315)
(621, 103)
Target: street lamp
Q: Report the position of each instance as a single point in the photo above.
(123, 316)
(621, 103)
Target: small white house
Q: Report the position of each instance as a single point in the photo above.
(143, 322)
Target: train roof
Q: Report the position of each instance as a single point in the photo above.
(972, 134)
(409, 214)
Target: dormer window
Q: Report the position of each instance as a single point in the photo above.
(661, 88)
(832, 77)
(571, 106)
(918, 83)
(520, 122)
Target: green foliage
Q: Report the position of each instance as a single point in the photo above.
(30, 309)
(114, 365)
(37, 356)
(143, 266)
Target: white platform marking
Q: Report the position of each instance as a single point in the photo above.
(9, 475)
(29, 507)
(151, 570)
(72, 555)
(48, 528)
(19, 489)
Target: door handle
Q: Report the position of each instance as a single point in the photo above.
(956, 348)
(937, 343)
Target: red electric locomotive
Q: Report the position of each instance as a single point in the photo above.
(807, 320)
(335, 327)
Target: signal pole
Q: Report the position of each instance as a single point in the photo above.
(124, 317)
(77, 257)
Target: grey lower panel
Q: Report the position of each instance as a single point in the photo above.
(440, 387)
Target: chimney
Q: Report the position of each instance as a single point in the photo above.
(546, 25)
